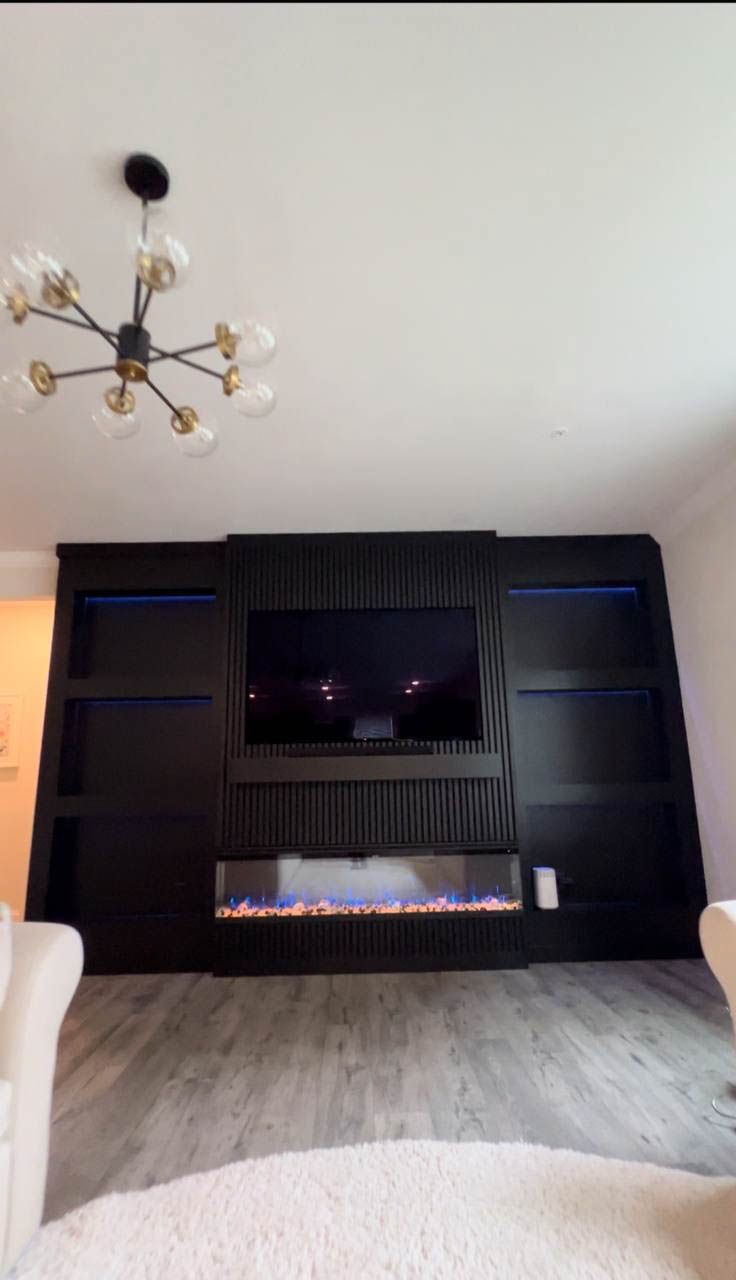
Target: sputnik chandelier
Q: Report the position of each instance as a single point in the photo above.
(31, 276)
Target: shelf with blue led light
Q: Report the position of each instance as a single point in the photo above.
(597, 627)
(582, 679)
(165, 635)
(138, 688)
(591, 737)
(138, 752)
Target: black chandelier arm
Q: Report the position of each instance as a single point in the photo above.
(142, 313)
(136, 299)
(104, 333)
(78, 324)
(161, 396)
(191, 365)
(80, 373)
(137, 317)
(182, 351)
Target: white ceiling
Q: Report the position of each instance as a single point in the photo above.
(470, 225)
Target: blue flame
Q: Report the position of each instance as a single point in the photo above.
(285, 901)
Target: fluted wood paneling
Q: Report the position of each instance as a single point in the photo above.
(366, 571)
(354, 944)
(335, 814)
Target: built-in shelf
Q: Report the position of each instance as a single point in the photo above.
(174, 804)
(148, 598)
(113, 866)
(168, 634)
(583, 679)
(633, 793)
(610, 851)
(591, 736)
(588, 626)
(139, 749)
(140, 688)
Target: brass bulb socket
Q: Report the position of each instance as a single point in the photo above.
(156, 272)
(227, 341)
(17, 304)
(184, 421)
(42, 378)
(131, 370)
(60, 291)
(231, 380)
(120, 401)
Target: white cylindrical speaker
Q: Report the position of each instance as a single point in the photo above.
(545, 888)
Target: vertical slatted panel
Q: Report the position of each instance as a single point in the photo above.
(402, 942)
(378, 571)
(350, 814)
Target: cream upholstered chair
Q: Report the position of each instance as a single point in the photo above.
(40, 966)
(718, 940)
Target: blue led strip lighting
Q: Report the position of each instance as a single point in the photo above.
(152, 599)
(146, 702)
(583, 693)
(568, 591)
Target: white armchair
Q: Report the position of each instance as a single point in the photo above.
(41, 965)
(718, 940)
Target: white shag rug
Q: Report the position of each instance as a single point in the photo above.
(403, 1211)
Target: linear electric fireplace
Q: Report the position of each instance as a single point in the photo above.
(396, 909)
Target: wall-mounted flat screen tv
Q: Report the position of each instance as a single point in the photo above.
(361, 675)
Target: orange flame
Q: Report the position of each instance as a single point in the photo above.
(436, 906)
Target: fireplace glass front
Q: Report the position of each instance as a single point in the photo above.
(364, 884)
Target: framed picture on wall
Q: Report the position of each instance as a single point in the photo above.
(11, 705)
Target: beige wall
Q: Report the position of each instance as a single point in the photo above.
(700, 567)
(25, 647)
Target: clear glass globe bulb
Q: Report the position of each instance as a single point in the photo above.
(7, 313)
(25, 266)
(254, 398)
(161, 260)
(256, 342)
(197, 443)
(18, 393)
(116, 426)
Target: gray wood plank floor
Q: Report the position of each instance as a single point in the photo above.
(164, 1075)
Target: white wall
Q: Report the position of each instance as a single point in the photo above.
(28, 575)
(699, 551)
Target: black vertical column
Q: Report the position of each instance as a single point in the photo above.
(603, 785)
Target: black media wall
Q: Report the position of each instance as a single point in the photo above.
(147, 775)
